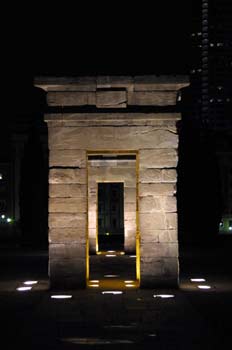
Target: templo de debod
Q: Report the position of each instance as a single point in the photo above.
(113, 153)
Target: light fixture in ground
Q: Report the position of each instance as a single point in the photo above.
(23, 289)
(197, 279)
(204, 287)
(132, 256)
(122, 253)
(94, 281)
(111, 276)
(110, 251)
(94, 285)
(114, 292)
(164, 296)
(110, 255)
(61, 296)
(130, 285)
(129, 281)
(30, 283)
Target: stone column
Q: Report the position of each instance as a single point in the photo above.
(158, 218)
(67, 218)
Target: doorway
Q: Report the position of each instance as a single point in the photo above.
(110, 216)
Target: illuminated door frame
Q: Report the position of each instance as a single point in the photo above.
(137, 247)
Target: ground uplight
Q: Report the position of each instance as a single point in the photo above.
(61, 296)
(164, 296)
(23, 289)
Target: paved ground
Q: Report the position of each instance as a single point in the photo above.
(193, 319)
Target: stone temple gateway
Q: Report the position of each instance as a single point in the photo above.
(113, 129)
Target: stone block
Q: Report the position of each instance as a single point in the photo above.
(92, 219)
(67, 251)
(67, 191)
(111, 99)
(130, 216)
(150, 236)
(58, 220)
(156, 83)
(129, 206)
(154, 221)
(159, 250)
(67, 157)
(169, 175)
(168, 236)
(71, 98)
(150, 175)
(67, 176)
(105, 82)
(130, 194)
(171, 221)
(152, 98)
(163, 189)
(149, 204)
(169, 204)
(67, 205)
(158, 158)
(105, 138)
(130, 244)
(67, 235)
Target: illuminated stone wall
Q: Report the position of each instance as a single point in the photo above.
(113, 171)
(117, 114)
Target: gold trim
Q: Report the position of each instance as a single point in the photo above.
(135, 152)
(87, 220)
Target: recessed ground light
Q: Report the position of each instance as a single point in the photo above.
(197, 280)
(110, 251)
(132, 256)
(152, 335)
(115, 292)
(61, 296)
(129, 281)
(110, 255)
(122, 253)
(130, 285)
(94, 281)
(23, 289)
(111, 276)
(94, 285)
(164, 296)
(29, 283)
(204, 287)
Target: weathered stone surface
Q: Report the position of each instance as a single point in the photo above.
(149, 204)
(150, 236)
(66, 83)
(130, 216)
(168, 236)
(92, 219)
(129, 207)
(67, 157)
(157, 189)
(115, 82)
(154, 221)
(67, 191)
(70, 98)
(67, 205)
(150, 175)
(67, 176)
(67, 220)
(130, 244)
(105, 138)
(67, 235)
(169, 204)
(152, 98)
(158, 158)
(171, 221)
(67, 251)
(159, 250)
(109, 174)
(169, 175)
(111, 99)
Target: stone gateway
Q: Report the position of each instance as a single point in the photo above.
(113, 129)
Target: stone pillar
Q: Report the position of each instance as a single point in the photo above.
(158, 217)
(67, 218)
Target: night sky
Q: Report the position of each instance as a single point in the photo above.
(102, 39)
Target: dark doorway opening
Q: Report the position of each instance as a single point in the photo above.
(110, 216)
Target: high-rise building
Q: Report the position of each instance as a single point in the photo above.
(211, 81)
